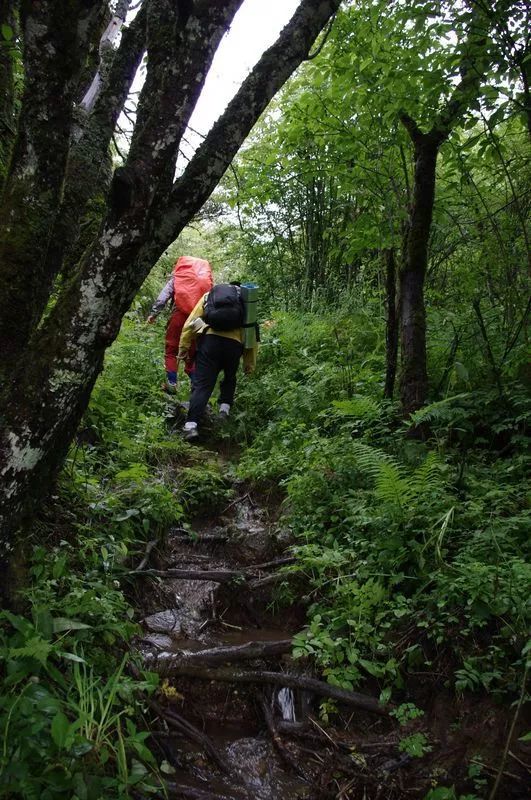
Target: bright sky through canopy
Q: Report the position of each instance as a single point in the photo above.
(255, 28)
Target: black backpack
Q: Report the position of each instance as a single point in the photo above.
(224, 308)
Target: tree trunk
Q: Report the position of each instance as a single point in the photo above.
(55, 44)
(391, 331)
(8, 55)
(59, 356)
(414, 374)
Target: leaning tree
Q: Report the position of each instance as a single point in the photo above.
(77, 239)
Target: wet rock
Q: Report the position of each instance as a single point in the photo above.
(255, 762)
(158, 641)
(164, 622)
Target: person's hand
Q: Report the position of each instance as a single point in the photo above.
(151, 319)
(182, 355)
(248, 369)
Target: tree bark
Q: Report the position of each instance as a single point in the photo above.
(55, 44)
(391, 331)
(414, 374)
(59, 364)
(7, 86)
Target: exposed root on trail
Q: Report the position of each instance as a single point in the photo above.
(233, 675)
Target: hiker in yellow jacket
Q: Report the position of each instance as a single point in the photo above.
(216, 325)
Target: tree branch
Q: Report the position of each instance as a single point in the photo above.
(222, 143)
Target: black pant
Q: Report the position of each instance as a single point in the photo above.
(214, 354)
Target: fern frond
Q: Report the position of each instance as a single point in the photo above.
(370, 458)
(439, 412)
(427, 477)
(391, 488)
(359, 407)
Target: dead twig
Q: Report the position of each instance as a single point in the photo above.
(147, 552)
(246, 496)
(501, 772)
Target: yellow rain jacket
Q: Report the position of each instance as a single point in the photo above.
(192, 328)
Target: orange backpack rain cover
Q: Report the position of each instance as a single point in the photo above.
(192, 278)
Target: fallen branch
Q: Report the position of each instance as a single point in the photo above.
(189, 793)
(225, 653)
(278, 562)
(216, 575)
(190, 732)
(232, 675)
(195, 538)
(503, 761)
(246, 496)
(147, 552)
(259, 583)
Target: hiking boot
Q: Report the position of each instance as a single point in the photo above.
(190, 434)
(223, 412)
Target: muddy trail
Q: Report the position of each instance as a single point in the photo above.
(237, 718)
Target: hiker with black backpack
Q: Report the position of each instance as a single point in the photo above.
(191, 278)
(223, 326)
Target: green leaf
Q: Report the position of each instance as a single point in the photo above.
(81, 747)
(60, 727)
(72, 657)
(63, 624)
(7, 32)
(34, 648)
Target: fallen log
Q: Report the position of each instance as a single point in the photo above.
(216, 575)
(277, 562)
(224, 654)
(233, 675)
(190, 537)
(179, 790)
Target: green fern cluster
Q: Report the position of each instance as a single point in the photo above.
(392, 485)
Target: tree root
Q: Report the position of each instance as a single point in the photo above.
(188, 730)
(234, 675)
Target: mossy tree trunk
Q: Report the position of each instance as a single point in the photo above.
(8, 55)
(53, 349)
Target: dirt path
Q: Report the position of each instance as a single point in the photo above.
(225, 726)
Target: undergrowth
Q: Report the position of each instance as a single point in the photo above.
(71, 714)
(414, 555)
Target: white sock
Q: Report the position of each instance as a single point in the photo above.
(189, 426)
(224, 407)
